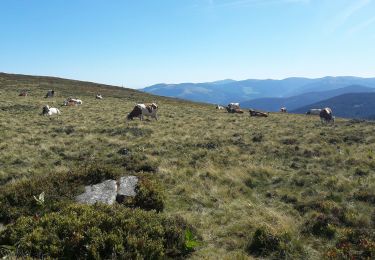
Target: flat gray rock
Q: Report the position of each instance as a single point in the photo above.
(104, 192)
(127, 186)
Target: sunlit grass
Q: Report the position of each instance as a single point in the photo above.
(226, 174)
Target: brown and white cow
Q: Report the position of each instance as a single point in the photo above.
(234, 110)
(257, 113)
(326, 115)
(141, 110)
(72, 102)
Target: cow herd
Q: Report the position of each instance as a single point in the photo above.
(150, 110)
(139, 110)
(325, 114)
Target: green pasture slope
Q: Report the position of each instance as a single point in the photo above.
(232, 186)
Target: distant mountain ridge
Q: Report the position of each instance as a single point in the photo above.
(350, 105)
(294, 102)
(225, 91)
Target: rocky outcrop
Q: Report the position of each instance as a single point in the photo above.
(127, 186)
(109, 191)
(104, 192)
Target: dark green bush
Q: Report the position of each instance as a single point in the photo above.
(265, 242)
(17, 198)
(99, 232)
(321, 225)
(149, 196)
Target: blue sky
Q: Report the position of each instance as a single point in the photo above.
(136, 43)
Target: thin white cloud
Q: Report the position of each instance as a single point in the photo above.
(342, 17)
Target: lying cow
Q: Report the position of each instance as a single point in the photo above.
(219, 107)
(257, 113)
(72, 102)
(234, 110)
(314, 111)
(326, 115)
(283, 110)
(98, 96)
(141, 110)
(49, 111)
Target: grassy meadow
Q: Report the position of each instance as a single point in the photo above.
(285, 186)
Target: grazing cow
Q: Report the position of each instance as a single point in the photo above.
(219, 107)
(326, 115)
(257, 113)
(98, 96)
(23, 93)
(314, 111)
(72, 102)
(49, 111)
(50, 94)
(141, 110)
(283, 110)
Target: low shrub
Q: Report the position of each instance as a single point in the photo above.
(361, 172)
(354, 244)
(17, 199)
(265, 242)
(149, 196)
(99, 232)
(365, 196)
(321, 226)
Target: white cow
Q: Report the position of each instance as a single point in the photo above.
(49, 111)
(219, 107)
(141, 110)
(314, 111)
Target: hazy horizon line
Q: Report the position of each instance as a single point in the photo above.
(184, 82)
